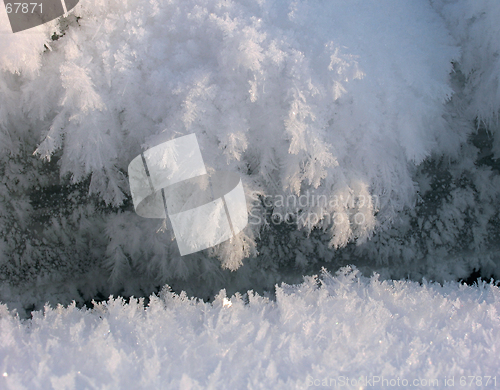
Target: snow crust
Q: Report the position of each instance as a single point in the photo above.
(331, 327)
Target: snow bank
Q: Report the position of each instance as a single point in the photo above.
(326, 328)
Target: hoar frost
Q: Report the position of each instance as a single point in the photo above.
(343, 99)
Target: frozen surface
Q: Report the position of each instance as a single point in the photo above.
(325, 328)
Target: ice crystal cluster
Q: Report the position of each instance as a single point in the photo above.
(364, 132)
(342, 331)
(385, 112)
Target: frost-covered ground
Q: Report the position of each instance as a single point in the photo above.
(342, 329)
